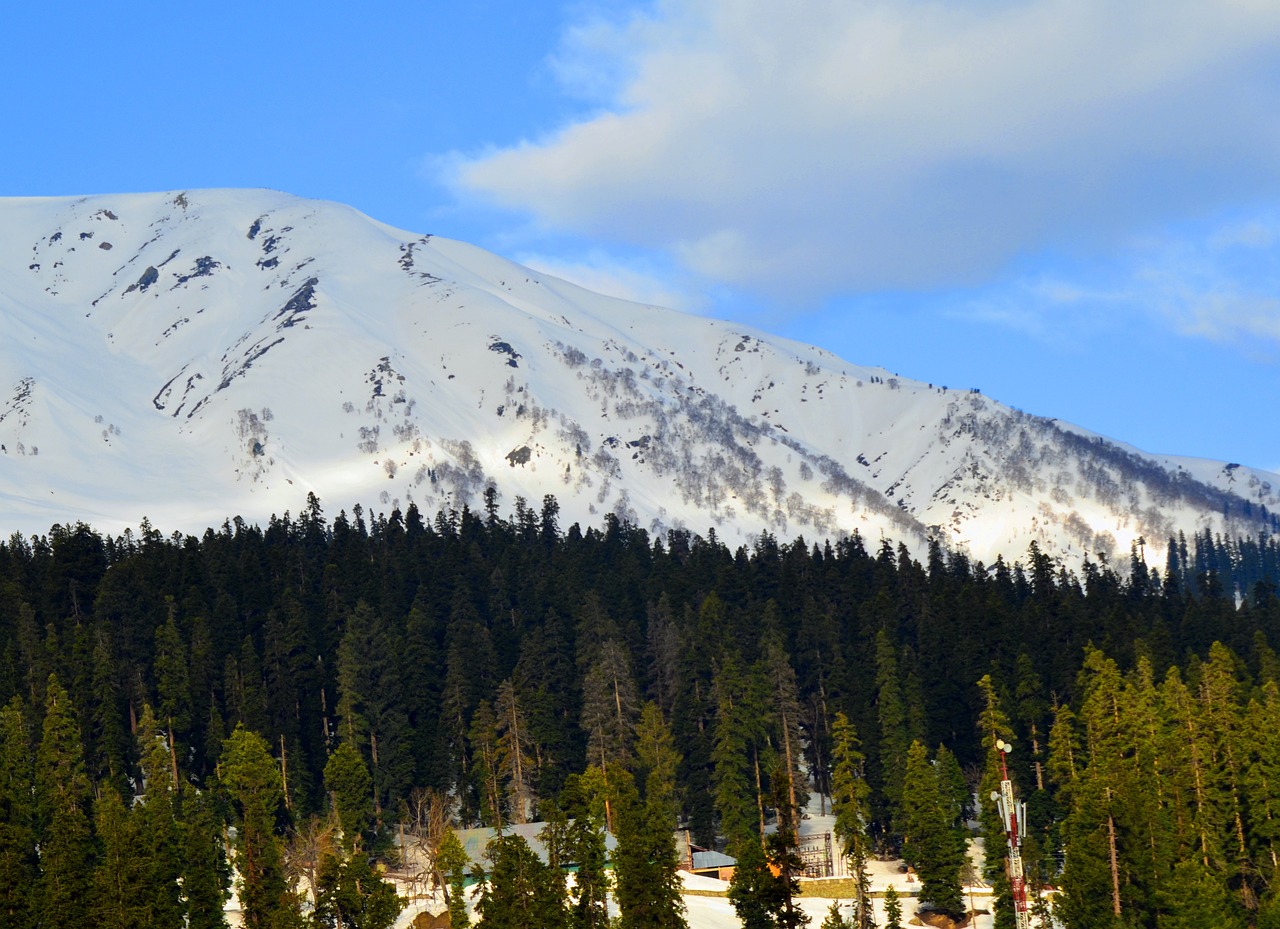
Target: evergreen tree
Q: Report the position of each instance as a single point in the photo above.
(206, 876)
(850, 794)
(483, 740)
(154, 819)
(585, 798)
(739, 734)
(350, 789)
(120, 880)
(646, 864)
(892, 908)
(895, 739)
(518, 893)
(834, 919)
(252, 781)
(658, 764)
(784, 858)
(173, 687)
(62, 795)
(351, 895)
(754, 890)
(513, 752)
(996, 729)
(785, 704)
(609, 706)
(932, 842)
(17, 826)
(371, 703)
(451, 860)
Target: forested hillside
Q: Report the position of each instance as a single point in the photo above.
(492, 658)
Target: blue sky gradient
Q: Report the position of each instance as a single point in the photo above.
(1072, 206)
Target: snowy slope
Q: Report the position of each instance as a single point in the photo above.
(189, 357)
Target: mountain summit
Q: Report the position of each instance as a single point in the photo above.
(189, 357)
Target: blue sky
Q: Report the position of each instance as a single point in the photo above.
(1073, 205)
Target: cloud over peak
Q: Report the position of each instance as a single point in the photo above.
(805, 149)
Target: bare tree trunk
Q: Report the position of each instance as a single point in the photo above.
(1115, 862)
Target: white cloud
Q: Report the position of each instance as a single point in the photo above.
(1220, 283)
(606, 274)
(802, 149)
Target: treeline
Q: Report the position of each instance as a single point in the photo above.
(488, 661)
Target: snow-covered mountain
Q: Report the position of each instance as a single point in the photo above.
(189, 357)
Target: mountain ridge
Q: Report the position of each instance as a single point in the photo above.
(192, 356)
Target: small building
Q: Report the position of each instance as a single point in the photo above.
(703, 861)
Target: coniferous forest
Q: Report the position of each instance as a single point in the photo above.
(298, 697)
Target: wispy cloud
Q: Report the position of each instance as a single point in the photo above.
(1219, 283)
(799, 150)
(638, 280)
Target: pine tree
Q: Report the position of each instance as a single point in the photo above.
(63, 794)
(610, 703)
(155, 821)
(350, 789)
(350, 895)
(513, 752)
(784, 857)
(833, 919)
(753, 889)
(120, 880)
(482, 738)
(645, 862)
(371, 704)
(206, 877)
(850, 794)
(451, 860)
(17, 827)
(172, 678)
(785, 705)
(519, 893)
(252, 781)
(932, 842)
(658, 764)
(585, 798)
(739, 734)
(895, 739)
(892, 908)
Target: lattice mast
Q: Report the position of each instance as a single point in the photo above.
(1013, 814)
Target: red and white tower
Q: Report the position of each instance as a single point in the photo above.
(1014, 815)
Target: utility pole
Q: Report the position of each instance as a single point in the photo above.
(1013, 813)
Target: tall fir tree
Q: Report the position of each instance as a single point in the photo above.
(933, 843)
(120, 880)
(371, 703)
(17, 822)
(252, 782)
(62, 794)
(206, 875)
(518, 893)
(850, 796)
(155, 821)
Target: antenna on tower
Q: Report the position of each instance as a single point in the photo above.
(1013, 814)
